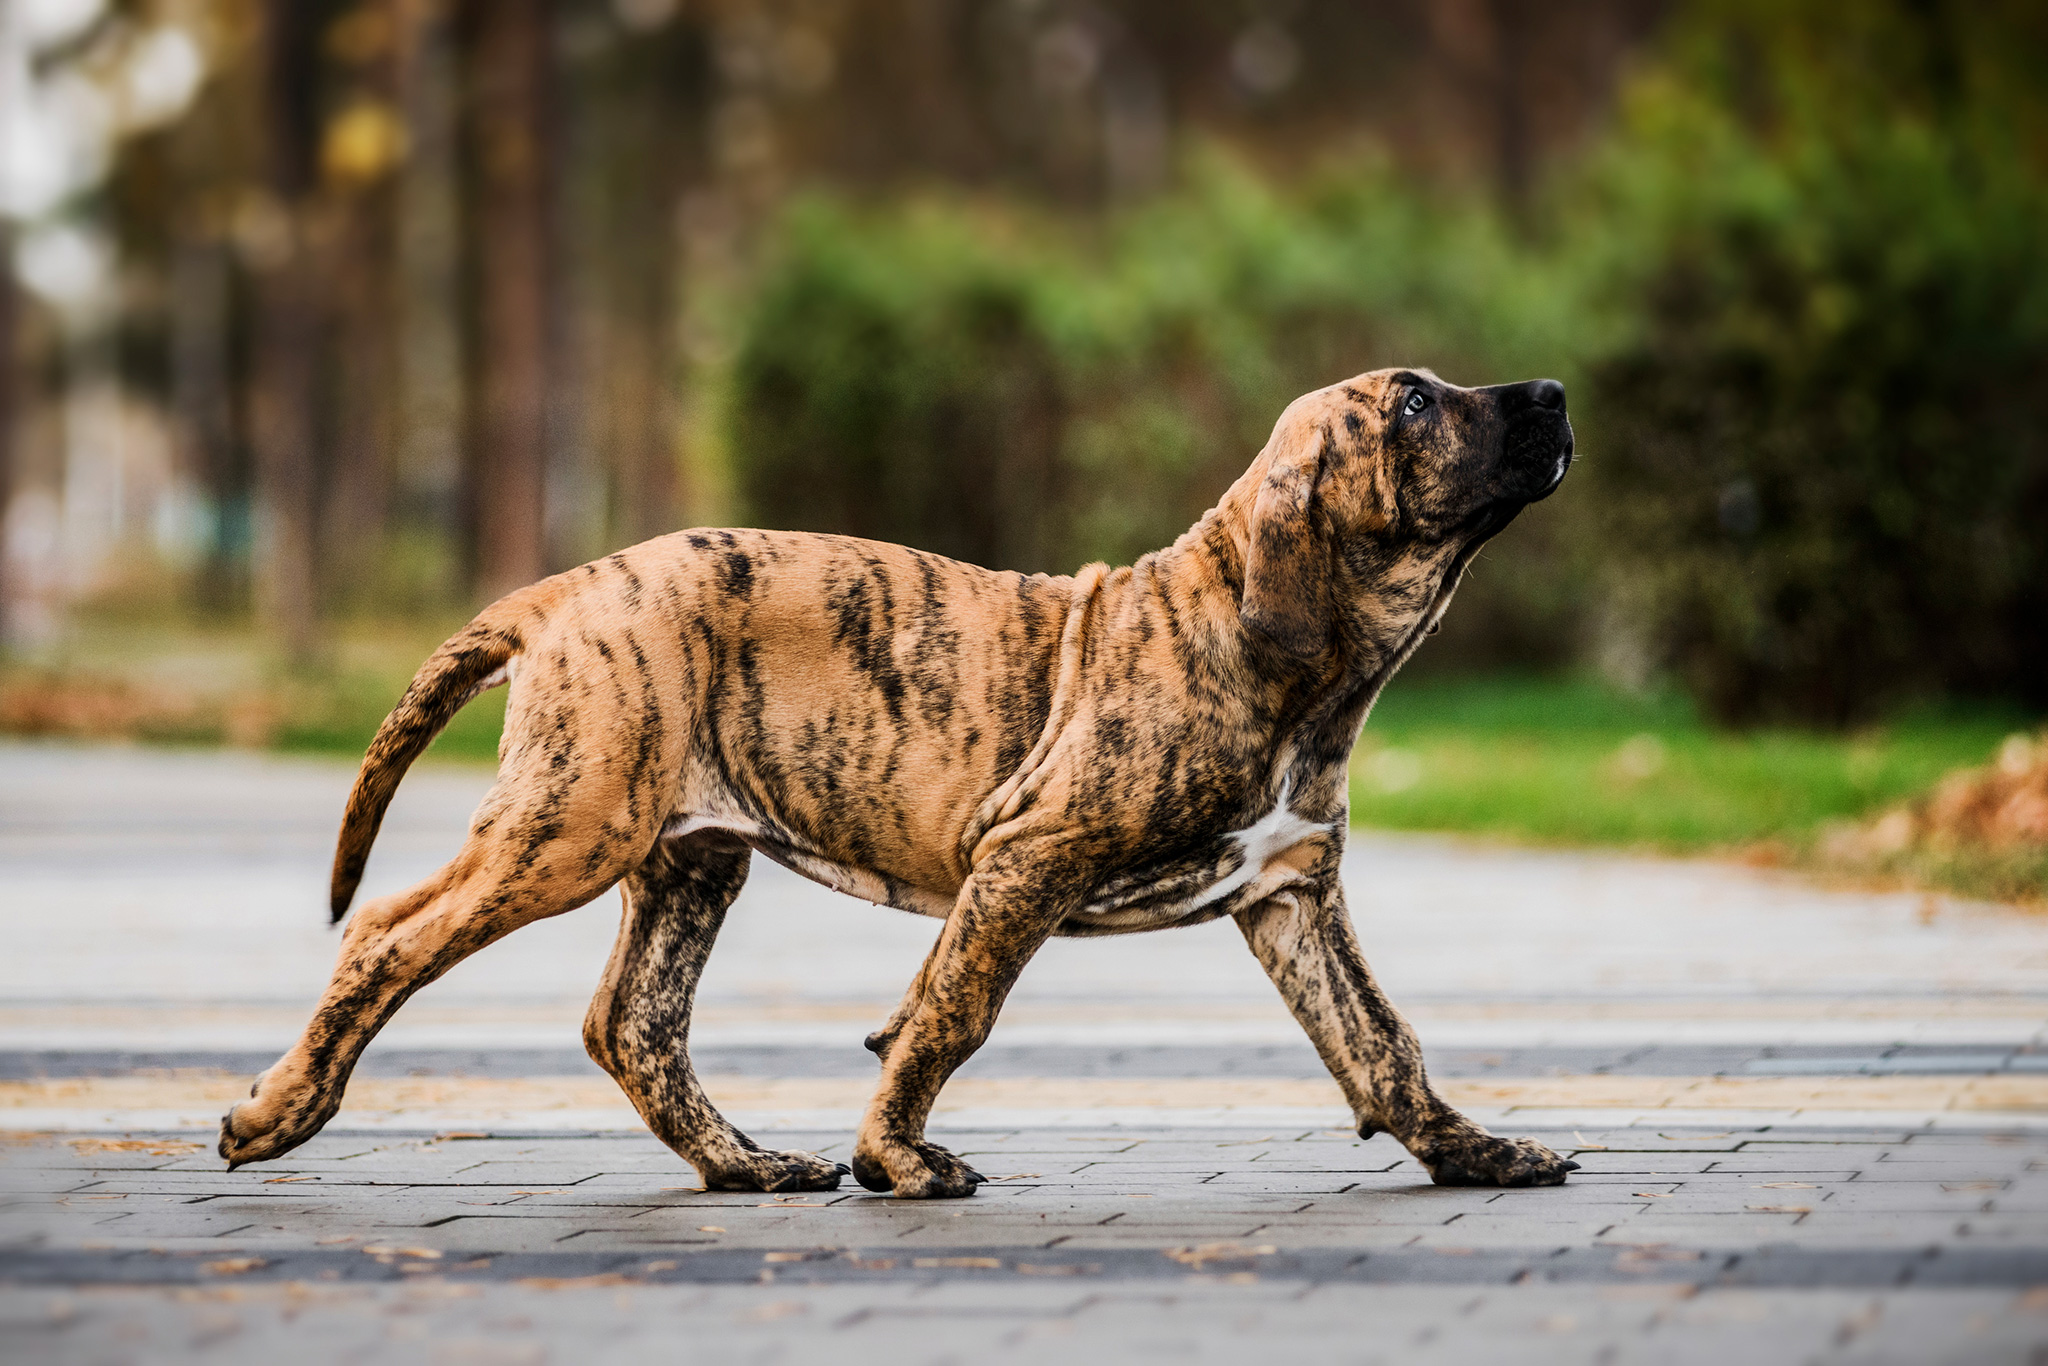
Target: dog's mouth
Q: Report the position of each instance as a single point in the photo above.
(1535, 455)
(1564, 463)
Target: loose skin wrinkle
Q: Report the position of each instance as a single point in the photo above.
(1122, 750)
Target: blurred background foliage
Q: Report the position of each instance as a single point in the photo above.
(386, 306)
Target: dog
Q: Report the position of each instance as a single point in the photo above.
(1018, 755)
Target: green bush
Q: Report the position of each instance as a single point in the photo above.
(1799, 294)
(896, 380)
(988, 382)
(1824, 483)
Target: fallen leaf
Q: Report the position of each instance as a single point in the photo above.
(1201, 1254)
(234, 1266)
(1022, 1176)
(1679, 1138)
(329, 1242)
(1953, 1186)
(870, 1263)
(1595, 1147)
(1651, 1195)
(710, 1228)
(782, 1204)
(1788, 1186)
(424, 1253)
(666, 1264)
(814, 1255)
(576, 1282)
(980, 1263)
(457, 1135)
(1059, 1269)
(287, 1180)
(156, 1147)
(1641, 1256)
(1779, 1209)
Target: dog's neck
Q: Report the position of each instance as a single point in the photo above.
(1381, 607)
(1385, 593)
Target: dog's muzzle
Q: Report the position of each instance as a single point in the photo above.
(1538, 439)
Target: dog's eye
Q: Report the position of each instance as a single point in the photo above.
(1417, 401)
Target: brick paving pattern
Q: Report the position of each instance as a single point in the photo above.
(1811, 1123)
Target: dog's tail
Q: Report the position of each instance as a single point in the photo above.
(469, 663)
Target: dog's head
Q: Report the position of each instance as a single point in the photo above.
(1373, 494)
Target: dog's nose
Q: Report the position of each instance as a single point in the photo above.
(1547, 393)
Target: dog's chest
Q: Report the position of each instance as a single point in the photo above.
(1218, 877)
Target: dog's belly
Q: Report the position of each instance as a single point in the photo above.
(1241, 869)
(792, 854)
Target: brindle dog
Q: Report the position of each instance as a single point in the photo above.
(1018, 755)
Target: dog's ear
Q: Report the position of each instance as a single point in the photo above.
(1287, 563)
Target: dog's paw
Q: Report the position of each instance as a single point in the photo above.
(914, 1171)
(273, 1121)
(777, 1172)
(1485, 1160)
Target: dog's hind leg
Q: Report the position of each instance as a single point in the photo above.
(638, 1027)
(517, 866)
(879, 1042)
(1305, 942)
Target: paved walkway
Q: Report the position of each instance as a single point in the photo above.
(1813, 1124)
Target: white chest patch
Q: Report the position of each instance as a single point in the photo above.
(1273, 835)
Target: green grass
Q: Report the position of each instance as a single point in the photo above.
(1532, 760)
(345, 714)
(1535, 760)
(1572, 762)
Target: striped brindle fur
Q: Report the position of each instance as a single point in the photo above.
(1019, 755)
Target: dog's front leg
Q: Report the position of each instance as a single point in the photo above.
(1003, 915)
(1305, 942)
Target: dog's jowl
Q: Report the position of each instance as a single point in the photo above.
(1021, 756)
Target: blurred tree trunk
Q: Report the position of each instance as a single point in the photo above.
(1514, 35)
(10, 359)
(360, 154)
(202, 397)
(506, 70)
(645, 107)
(427, 478)
(285, 333)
